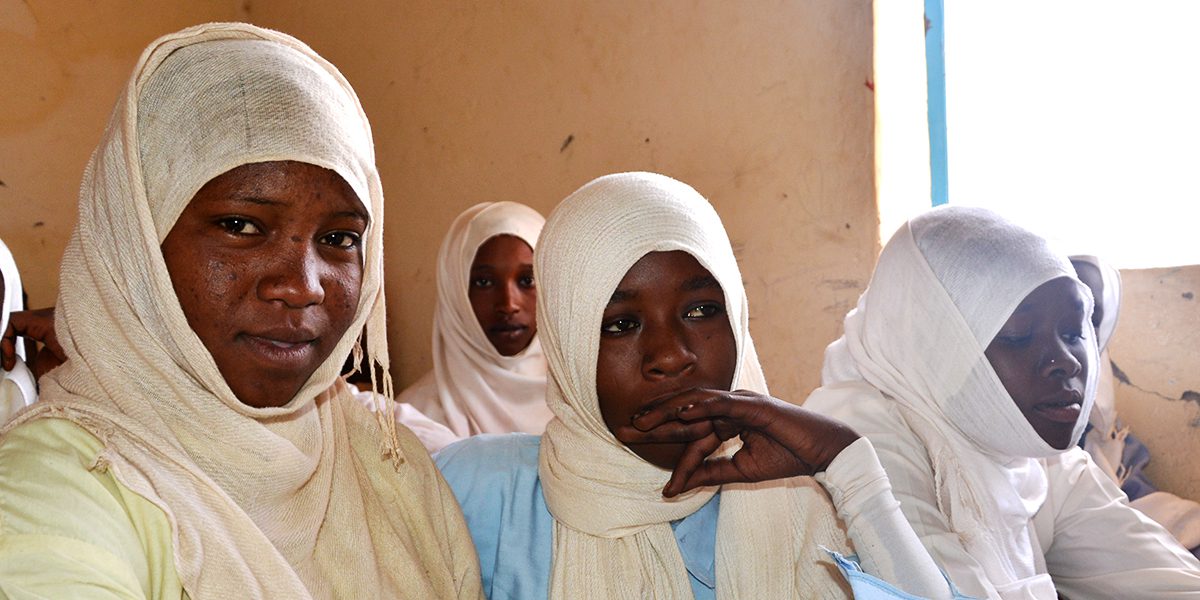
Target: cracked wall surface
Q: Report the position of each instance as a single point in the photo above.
(1157, 349)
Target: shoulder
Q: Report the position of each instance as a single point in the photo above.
(490, 456)
(63, 510)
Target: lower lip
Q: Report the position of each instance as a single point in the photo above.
(285, 354)
(509, 334)
(1059, 413)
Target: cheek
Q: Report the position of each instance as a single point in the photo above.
(344, 291)
(614, 371)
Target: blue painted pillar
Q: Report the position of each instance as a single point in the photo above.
(935, 73)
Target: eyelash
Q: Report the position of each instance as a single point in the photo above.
(622, 325)
(337, 239)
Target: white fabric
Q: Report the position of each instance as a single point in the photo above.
(433, 435)
(612, 535)
(476, 389)
(17, 387)
(1084, 535)
(307, 500)
(943, 287)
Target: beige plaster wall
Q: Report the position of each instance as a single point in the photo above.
(761, 106)
(62, 63)
(1155, 349)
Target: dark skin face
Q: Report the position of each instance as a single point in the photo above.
(1040, 355)
(503, 294)
(266, 261)
(1089, 274)
(665, 330)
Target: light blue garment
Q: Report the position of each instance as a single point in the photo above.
(495, 478)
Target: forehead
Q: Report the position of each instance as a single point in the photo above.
(503, 248)
(1059, 296)
(283, 184)
(664, 271)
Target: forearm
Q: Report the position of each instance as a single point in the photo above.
(885, 543)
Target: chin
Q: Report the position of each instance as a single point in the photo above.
(663, 456)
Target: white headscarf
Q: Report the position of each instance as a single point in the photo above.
(20, 376)
(943, 287)
(1104, 414)
(475, 389)
(612, 534)
(297, 501)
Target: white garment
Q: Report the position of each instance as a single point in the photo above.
(17, 387)
(1104, 413)
(474, 389)
(1083, 535)
(312, 499)
(433, 435)
(612, 537)
(944, 286)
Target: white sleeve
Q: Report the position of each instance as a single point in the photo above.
(906, 463)
(885, 543)
(1104, 548)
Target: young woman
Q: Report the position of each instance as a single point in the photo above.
(644, 321)
(970, 363)
(489, 373)
(1112, 446)
(198, 441)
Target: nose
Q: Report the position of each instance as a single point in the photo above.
(294, 278)
(508, 300)
(1059, 361)
(666, 353)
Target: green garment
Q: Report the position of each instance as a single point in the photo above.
(69, 529)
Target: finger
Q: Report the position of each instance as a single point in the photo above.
(669, 432)
(50, 342)
(8, 353)
(746, 408)
(715, 471)
(692, 458)
(668, 409)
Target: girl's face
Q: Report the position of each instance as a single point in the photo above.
(664, 331)
(502, 293)
(267, 263)
(1040, 354)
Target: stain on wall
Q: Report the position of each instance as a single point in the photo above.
(1157, 364)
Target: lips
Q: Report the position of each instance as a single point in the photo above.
(282, 347)
(1062, 407)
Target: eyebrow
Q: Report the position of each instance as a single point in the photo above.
(701, 282)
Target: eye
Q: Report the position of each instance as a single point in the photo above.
(1073, 337)
(342, 239)
(481, 282)
(1015, 340)
(619, 326)
(526, 282)
(704, 311)
(239, 226)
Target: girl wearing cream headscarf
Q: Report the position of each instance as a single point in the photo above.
(198, 441)
(1119, 454)
(17, 387)
(969, 362)
(488, 376)
(579, 513)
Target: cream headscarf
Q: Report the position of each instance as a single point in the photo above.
(475, 389)
(612, 534)
(1104, 413)
(305, 500)
(943, 287)
(20, 376)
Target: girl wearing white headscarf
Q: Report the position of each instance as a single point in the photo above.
(1116, 452)
(472, 388)
(140, 474)
(1007, 514)
(577, 514)
(17, 387)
